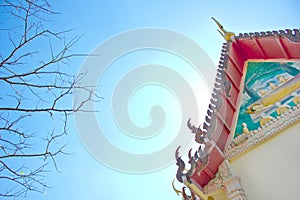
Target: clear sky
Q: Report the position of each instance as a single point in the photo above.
(84, 177)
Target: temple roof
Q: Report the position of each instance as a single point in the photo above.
(275, 45)
(279, 47)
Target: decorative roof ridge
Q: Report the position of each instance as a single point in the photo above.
(245, 141)
(291, 34)
(222, 85)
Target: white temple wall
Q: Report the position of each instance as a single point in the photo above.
(272, 169)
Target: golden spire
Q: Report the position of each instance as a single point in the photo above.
(225, 34)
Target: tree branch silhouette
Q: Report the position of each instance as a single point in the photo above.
(36, 86)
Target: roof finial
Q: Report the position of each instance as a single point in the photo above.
(176, 190)
(225, 34)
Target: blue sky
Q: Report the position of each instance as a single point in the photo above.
(82, 176)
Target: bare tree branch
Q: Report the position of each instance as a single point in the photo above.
(34, 81)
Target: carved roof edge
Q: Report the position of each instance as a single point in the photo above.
(291, 34)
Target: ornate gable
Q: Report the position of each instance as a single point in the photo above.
(256, 95)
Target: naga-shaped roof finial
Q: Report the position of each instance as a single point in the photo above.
(225, 34)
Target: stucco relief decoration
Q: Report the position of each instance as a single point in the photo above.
(269, 102)
(225, 170)
(270, 89)
(214, 184)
